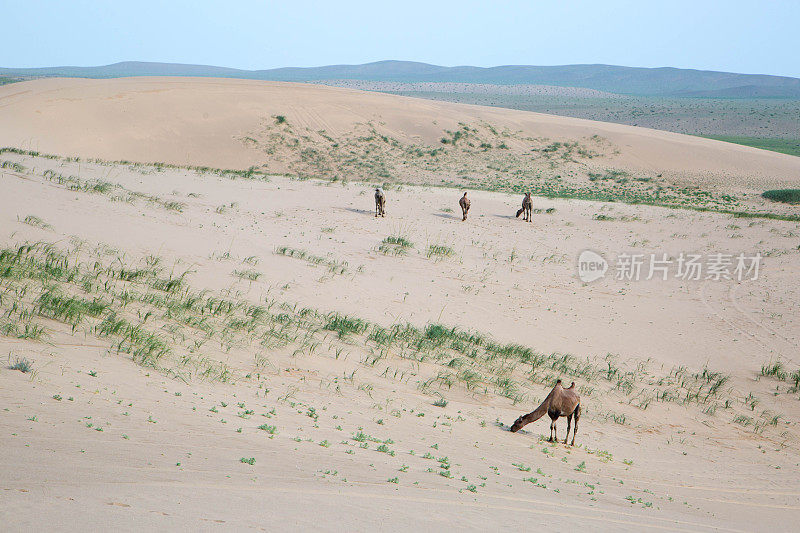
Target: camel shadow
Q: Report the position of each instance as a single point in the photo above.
(508, 217)
(506, 427)
(445, 215)
(359, 211)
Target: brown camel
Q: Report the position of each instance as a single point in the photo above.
(464, 203)
(380, 202)
(527, 205)
(560, 402)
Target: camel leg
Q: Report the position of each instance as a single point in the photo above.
(569, 423)
(553, 432)
(577, 415)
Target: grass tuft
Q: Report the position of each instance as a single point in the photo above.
(439, 251)
(23, 365)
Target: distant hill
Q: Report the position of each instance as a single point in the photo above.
(665, 81)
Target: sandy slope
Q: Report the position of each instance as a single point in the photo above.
(168, 453)
(203, 121)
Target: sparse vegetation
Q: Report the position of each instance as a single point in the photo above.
(439, 251)
(333, 266)
(36, 222)
(395, 245)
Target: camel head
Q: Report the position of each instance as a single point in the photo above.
(516, 425)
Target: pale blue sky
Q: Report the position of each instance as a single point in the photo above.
(739, 36)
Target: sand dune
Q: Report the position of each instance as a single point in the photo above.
(202, 121)
(679, 432)
(192, 349)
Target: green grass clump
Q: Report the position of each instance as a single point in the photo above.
(13, 166)
(787, 196)
(395, 245)
(775, 369)
(439, 251)
(383, 448)
(344, 325)
(441, 402)
(36, 222)
(248, 274)
(333, 266)
(172, 205)
(23, 365)
(69, 309)
(602, 217)
(248, 460)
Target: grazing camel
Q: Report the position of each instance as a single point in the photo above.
(527, 205)
(380, 202)
(560, 402)
(464, 203)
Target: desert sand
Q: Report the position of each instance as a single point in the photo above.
(681, 428)
(205, 121)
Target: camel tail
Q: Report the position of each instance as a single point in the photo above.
(520, 212)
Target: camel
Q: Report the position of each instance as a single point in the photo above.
(527, 205)
(560, 402)
(464, 203)
(380, 202)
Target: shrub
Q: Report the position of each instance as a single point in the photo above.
(787, 196)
